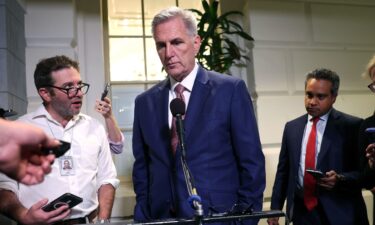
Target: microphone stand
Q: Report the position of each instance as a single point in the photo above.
(194, 199)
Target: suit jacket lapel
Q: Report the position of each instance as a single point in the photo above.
(328, 136)
(161, 101)
(299, 129)
(161, 105)
(198, 97)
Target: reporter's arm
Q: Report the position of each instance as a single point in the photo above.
(106, 180)
(106, 196)
(20, 154)
(11, 207)
(115, 137)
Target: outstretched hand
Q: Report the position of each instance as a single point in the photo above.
(35, 215)
(20, 152)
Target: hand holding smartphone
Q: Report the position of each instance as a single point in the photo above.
(65, 199)
(316, 173)
(58, 151)
(105, 92)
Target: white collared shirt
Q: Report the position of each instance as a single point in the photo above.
(188, 83)
(320, 128)
(92, 162)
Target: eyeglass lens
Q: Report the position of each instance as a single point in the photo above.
(74, 90)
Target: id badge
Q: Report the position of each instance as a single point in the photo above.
(66, 164)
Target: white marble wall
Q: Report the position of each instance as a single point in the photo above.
(65, 27)
(12, 57)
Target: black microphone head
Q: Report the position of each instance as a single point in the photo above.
(177, 107)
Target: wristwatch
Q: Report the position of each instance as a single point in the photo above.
(100, 221)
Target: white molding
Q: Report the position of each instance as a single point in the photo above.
(51, 42)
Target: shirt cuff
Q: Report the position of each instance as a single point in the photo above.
(114, 182)
(117, 147)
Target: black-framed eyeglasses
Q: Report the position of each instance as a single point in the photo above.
(372, 87)
(73, 91)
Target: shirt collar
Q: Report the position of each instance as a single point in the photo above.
(188, 82)
(324, 117)
(42, 112)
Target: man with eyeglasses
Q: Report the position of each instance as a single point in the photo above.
(92, 175)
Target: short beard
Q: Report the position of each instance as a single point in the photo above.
(63, 112)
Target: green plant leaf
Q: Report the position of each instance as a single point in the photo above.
(196, 11)
(206, 6)
(242, 34)
(217, 51)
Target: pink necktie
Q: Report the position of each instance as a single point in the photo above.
(309, 182)
(179, 89)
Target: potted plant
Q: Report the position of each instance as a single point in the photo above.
(217, 51)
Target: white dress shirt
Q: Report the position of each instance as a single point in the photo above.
(92, 163)
(188, 83)
(117, 147)
(320, 127)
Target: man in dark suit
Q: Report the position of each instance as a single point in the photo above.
(337, 194)
(223, 149)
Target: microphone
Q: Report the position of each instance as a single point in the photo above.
(178, 110)
(177, 106)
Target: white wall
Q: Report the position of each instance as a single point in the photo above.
(68, 27)
(292, 37)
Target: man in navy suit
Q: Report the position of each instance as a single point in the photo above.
(339, 198)
(223, 149)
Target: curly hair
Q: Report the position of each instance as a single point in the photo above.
(45, 67)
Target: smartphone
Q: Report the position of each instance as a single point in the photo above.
(105, 92)
(65, 199)
(58, 151)
(316, 173)
(370, 132)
